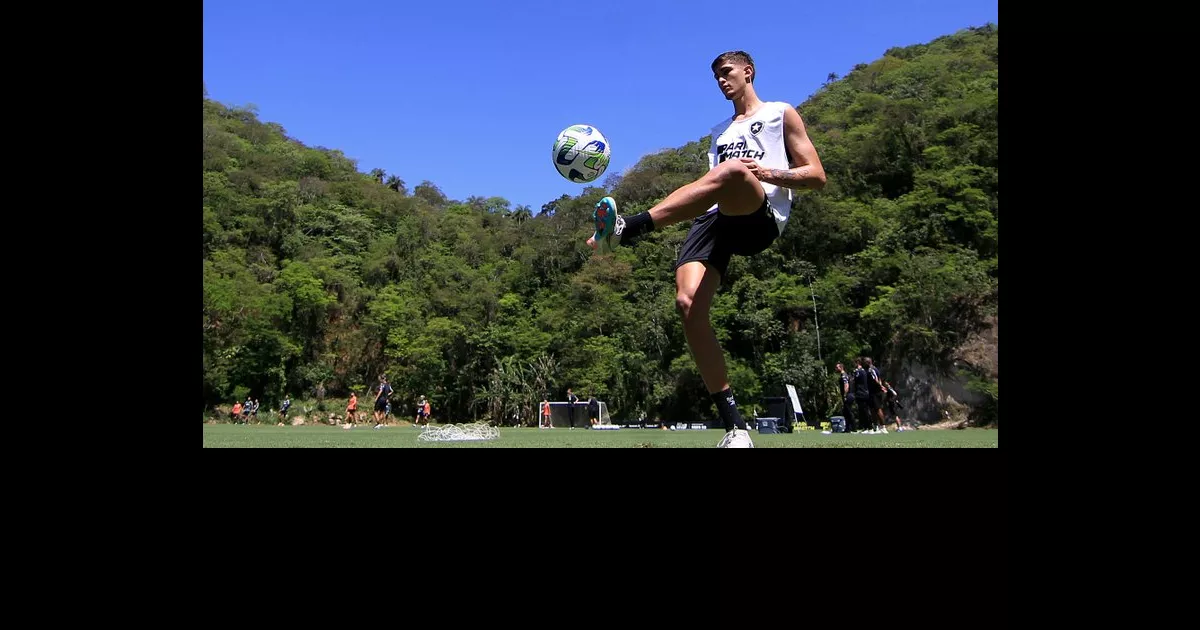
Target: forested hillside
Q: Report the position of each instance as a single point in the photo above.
(318, 277)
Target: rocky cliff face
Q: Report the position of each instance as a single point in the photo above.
(932, 398)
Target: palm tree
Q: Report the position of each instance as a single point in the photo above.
(378, 174)
(543, 371)
(396, 184)
(522, 213)
(477, 202)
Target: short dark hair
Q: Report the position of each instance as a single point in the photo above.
(736, 56)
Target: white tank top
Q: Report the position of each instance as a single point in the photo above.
(758, 137)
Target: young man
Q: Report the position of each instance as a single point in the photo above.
(892, 400)
(847, 397)
(420, 411)
(544, 419)
(571, 400)
(739, 207)
(381, 400)
(593, 410)
(352, 410)
(875, 387)
(862, 396)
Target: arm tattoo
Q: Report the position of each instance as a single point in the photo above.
(790, 179)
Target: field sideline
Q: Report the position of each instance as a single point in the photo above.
(223, 435)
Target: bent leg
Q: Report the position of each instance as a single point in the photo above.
(731, 186)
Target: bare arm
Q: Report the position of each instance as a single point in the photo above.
(806, 171)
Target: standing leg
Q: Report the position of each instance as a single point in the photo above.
(848, 414)
(696, 284)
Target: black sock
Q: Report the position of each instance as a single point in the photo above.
(636, 226)
(727, 409)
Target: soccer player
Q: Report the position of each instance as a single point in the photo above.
(847, 397)
(352, 410)
(757, 157)
(572, 400)
(381, 400)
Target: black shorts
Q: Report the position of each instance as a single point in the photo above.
(716, 237)
(381, 404)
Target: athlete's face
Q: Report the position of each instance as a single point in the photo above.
(732, 78)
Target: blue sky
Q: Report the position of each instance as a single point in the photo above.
(471, 95)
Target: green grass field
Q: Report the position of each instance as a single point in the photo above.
(363, 436)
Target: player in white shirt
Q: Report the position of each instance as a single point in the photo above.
(740, 206)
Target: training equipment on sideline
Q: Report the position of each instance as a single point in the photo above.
(477, 431)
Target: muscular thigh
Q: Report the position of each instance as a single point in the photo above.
(740, 192)
(699, 282)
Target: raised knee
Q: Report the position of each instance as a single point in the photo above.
(734, 170)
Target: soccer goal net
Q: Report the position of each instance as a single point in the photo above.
(560, 414)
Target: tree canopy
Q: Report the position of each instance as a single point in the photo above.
(319, 275)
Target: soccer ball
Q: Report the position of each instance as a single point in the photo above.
(581, 153)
